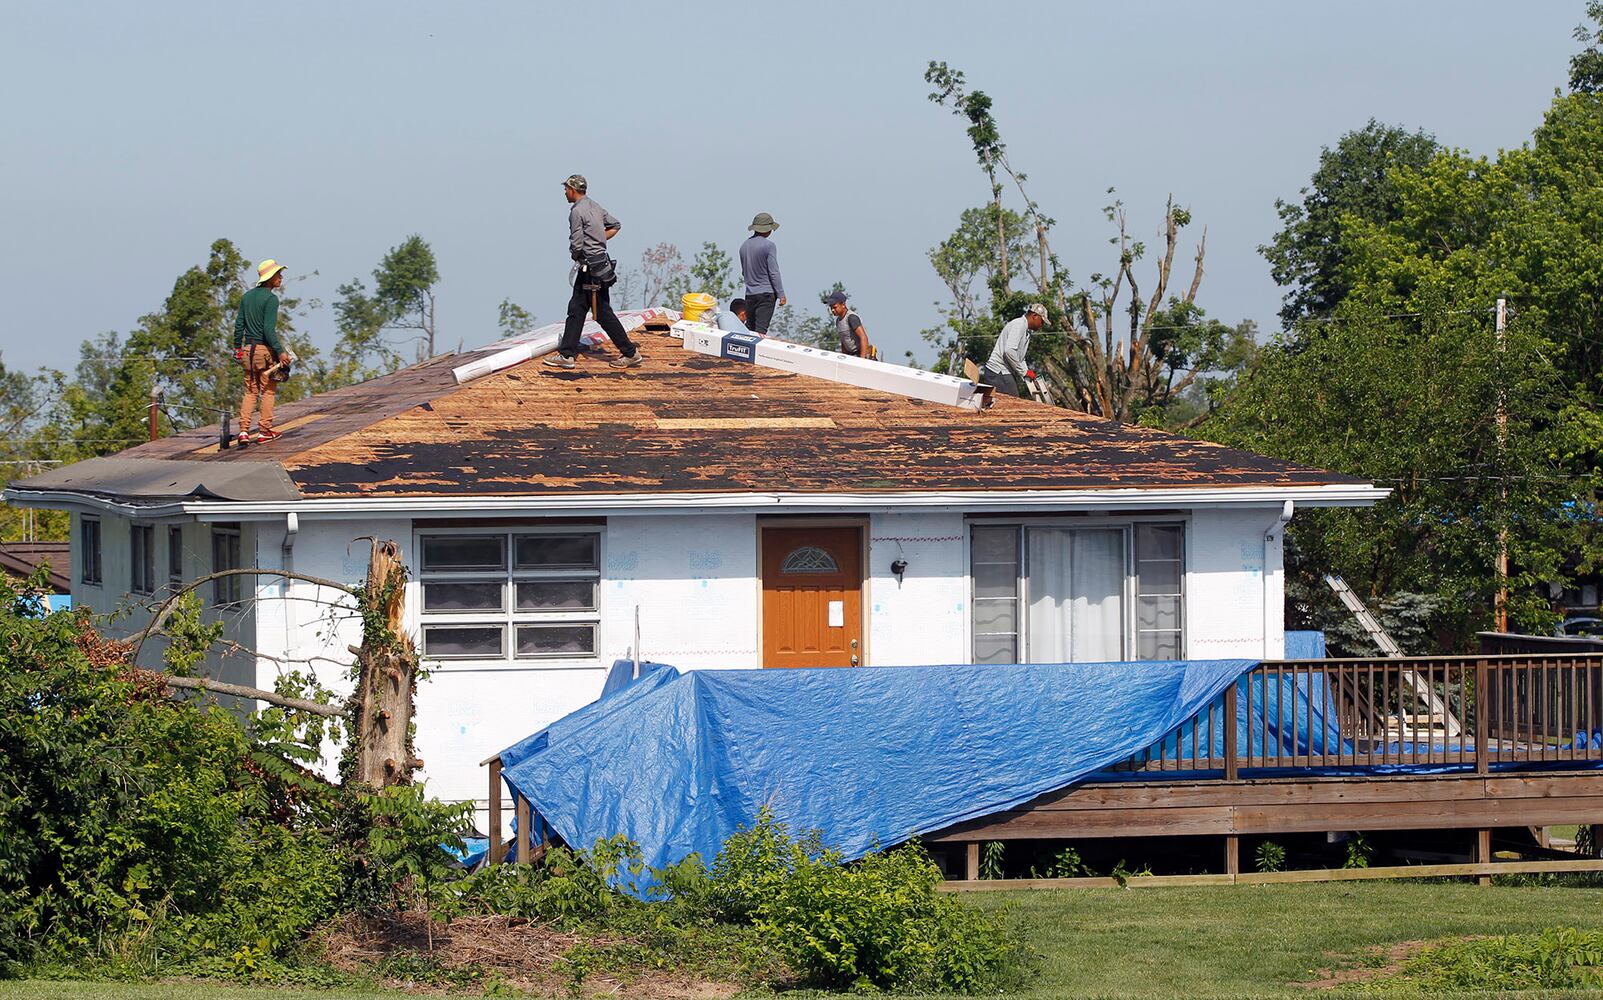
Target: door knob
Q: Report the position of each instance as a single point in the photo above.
(854, 643)
(854, 658)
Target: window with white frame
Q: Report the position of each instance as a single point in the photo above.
(142, 558)
(1053, 593)
(89, 550)
(514, 594)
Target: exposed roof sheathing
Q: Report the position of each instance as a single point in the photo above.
(686, 423)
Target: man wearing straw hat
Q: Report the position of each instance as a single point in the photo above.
(759, 267)
(258, 348)
(589, 228)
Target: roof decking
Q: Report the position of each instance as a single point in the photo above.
(686, 423)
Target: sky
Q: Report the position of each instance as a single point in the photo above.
(322, 134)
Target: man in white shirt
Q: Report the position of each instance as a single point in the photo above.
(1011, 350)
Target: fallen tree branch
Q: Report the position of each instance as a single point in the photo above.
(241, 691)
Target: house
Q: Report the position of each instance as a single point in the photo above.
(699, 511)
(23, 559)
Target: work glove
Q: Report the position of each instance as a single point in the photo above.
(239, 355)
(1029, 373)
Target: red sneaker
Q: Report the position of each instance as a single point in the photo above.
(243, 439)
(262, 437)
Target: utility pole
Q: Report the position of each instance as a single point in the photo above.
(1500, 605)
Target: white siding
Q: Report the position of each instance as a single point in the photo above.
(924, 619)
(1235, 603)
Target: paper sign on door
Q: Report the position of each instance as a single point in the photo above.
(837, 614)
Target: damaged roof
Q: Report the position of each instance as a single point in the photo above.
(688, 423)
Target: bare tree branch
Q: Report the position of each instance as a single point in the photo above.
(241, 691)
(160, 620)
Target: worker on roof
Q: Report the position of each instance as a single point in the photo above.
(258, 349)
(1007, 361)
(589, 228)
(759, 267)
(733, 319)
(853, 335)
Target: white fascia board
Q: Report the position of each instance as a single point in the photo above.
(618, 505)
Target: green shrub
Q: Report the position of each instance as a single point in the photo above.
(568, 888)
(1270, 857)
(875, 923)
(1556, 959)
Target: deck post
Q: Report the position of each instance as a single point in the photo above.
(495, 811)
(1232, 854)
(1230, 732)
(971, 861)
(1482, 705)
(525, 835)
(1483, 853)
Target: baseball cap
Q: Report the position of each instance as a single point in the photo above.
(577, 182)
(836, 299)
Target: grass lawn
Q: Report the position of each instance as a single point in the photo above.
(1206, 942)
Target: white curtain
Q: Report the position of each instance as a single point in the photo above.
(1097, 571)
(1047, 552)
(1076, 581)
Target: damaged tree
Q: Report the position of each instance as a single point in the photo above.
(380, 708)
(1107, 367)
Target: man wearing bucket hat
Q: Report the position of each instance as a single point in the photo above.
(759, 267)
(1012, 347)
(258, 348)
(589, 228)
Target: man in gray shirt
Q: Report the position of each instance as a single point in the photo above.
(1007, 360)
(853, 335)
(759, 267)
(589, 228)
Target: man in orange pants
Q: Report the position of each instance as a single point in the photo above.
(258, 348)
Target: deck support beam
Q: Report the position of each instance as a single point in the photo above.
(1232, 855)
(971, 861)
(496, 851)
(525, 835)
(1483, 853)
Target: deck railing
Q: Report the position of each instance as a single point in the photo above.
(1470, 712)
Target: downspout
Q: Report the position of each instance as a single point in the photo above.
(1277, 529)
(292, 527)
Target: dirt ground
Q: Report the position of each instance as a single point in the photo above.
(521, 953)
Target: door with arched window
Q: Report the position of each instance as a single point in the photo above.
(812, 596)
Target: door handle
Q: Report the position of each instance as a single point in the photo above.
(854, 659)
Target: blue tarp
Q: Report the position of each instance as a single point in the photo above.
(871, 756)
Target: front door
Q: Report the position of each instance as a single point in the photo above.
(812, 597)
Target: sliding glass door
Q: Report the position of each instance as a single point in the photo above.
(1044, 593)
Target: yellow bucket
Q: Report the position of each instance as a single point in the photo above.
(696, 305)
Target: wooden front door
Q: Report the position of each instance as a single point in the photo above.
(812, 597)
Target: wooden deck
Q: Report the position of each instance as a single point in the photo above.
(1429, 743)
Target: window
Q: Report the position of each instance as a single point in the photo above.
(89, 550)
(1045, 593)
(809, 559)
(1159, 573)
(175, 557)
(226, 590)
(142, 558)
(513, 595)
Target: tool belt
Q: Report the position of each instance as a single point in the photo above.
(598, 272)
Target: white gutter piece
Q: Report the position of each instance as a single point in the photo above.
(626, 504)
(751, 348)
(543, 340)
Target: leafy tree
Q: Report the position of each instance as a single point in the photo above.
(513, 318)
(1586, 66)
(1355, 179)
(659, 267)
(969, 263)
(711, 270)
(403, 299)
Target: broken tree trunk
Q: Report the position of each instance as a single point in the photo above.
(381, 710)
